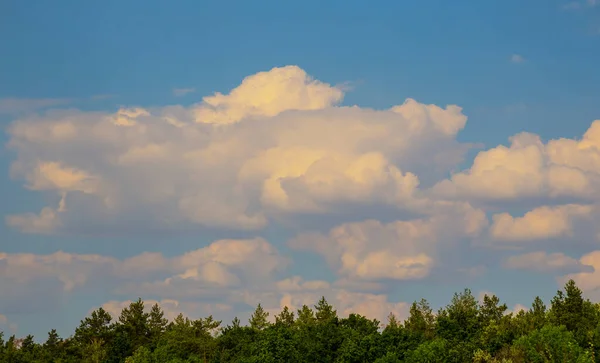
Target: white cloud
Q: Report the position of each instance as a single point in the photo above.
(221, 265)
(542, 222)
(279, 150)
(268, 94)
(273, 145)
(401, 250)
(528, 168)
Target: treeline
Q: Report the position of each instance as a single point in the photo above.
(464, 331)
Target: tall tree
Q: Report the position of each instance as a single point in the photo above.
(133, 322)
(324, 311)
(259, 319)
(421, 320)
(285, 318)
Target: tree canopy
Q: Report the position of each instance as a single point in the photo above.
(466, 330)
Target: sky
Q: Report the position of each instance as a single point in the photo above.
(212, 155)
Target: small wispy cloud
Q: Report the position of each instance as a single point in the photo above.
(13, 105)
(576, 5)
(183, 91)
(517, 58)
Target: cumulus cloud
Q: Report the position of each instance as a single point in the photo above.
(268, 94)
(542, 222)
(400, 250)
(380, 187)
(275, 144)
(528, 168)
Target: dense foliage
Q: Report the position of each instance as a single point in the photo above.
(464, 331)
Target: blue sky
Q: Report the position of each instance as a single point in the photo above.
(511, 66)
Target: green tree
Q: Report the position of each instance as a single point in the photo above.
(134, 323)
(157, 323)
(549, 344)
(421, 322)
(306, 316)
(324, 311)
(95, 326)
(285, 318)
(259, 319)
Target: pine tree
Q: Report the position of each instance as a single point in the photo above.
(285, 317)
(306, 316)
(157, 323)
(324, 311)
(258, 320)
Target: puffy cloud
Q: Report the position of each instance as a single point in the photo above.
(274, 144)
(400, 250)
(530, 168)
(544, 262)
(268, 94)
(278, 149)
(542, 222)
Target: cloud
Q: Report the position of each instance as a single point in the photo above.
(528, 168)
(222, 265)
(272, 147)
(577, 5)
(183, 91)
(11, 106)
(400, 250)
(211, 280)
(544, 262)
(268, 94)
(540, 223)
(517, 58)
(376, 193)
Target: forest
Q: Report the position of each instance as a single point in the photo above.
(466, 330)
